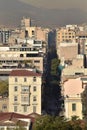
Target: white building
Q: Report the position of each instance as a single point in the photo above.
(72, 89)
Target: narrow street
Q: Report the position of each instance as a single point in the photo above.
(52, 90)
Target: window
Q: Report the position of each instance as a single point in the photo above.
(33, 33)
(25, 89)
(26, 33)
(34, 79)
(15, 98)
(25, 79)
(25, 98)
(34, 88)
(25, 108)
(34, 98)
(36, 61)
(15, 88)
(15, 108)
(73, 107)
(4, 106)
(69, 36)
(16, 80)
(34, 109)
(21, 55)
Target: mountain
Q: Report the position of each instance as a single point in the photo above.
(12, 11)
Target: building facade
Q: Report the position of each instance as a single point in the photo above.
(25, 22)
(20, 54)
(4, 35)
(72, 89)
(65, 34)
(25, 92)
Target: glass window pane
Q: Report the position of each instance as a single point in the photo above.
(73, 107)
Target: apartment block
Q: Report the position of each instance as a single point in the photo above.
(25, 92)
(4, 35)
(65, 34)
(14, 55)
(81, 37)
(38, 33)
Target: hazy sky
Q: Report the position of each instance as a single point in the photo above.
(57, 4)
(44, 12)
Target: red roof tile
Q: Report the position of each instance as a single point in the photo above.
(24, 73)
(11, 116)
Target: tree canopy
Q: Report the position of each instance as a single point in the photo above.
(3, 87)
(47, 122)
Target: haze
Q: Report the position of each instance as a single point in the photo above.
(51, 13)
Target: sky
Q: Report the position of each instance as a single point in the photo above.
(48, 13)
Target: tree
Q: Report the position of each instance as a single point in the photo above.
(47, 122)
(43, 122)
(84, 103)
(51, 123)
(3, 87)
(54, 65)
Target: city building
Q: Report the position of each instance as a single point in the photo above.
(11, 57)
(72, 89)
(4, 35)
(65, 34)
(25, 92)
(81, 38)
(25, 22)
(68, 51)
(15, 121)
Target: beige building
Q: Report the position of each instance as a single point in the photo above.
(65, 34)
(25, 22)
(71, 71)
(25, 92)
(68, 51)
(72, 89)
(12, 56)
(38, 33)
(17, 33)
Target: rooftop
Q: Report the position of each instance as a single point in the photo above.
(11, 118)
(24, 72)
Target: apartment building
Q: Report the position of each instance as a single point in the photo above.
(4, 35)
(65, 34)
(25, 92)
(81, 37)
(72, 89)
(12, 56)
(38, 33)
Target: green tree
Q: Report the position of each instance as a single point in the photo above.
(54, 65)
(3, 87)
(84, 103)
(47, 122)
(52, 123)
